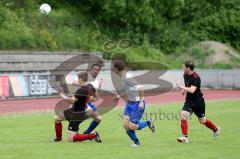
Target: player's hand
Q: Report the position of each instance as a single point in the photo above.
(60, 90)
(101, 81)
(75, 83)
(178, 83)
(141, 105)
(116, 99)
(182, 92)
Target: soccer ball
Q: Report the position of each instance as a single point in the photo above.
(45, 8)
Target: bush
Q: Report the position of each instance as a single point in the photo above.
(159, 30)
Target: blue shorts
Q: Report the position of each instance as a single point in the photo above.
(132, 110)
(92, 106)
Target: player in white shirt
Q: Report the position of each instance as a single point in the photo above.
(91, 108)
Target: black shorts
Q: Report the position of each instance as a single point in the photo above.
(195, 106)
(74, 118)
(74, 125)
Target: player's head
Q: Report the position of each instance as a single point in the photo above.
(188, 67)
(95, 70)
(118, 66)
(82, 78)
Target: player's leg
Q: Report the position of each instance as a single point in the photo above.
(143, 124)
(185, 114)
(130, 130)
(208, 123)
(73, 136)
(184, 127)
(93, 113)
(200, 113)
(58, 126)
(83, 137)
(134, 124)
(184, 122)
(126, 121)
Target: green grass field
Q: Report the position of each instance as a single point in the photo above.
(27, 136)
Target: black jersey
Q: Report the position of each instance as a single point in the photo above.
(83, 95)
(193, 80)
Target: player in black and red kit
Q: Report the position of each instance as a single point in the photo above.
(194, 102)
(76, 114)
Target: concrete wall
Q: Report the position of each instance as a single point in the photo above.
(213, 78)
(42, 84)
(36, 61)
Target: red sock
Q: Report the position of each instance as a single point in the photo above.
(184, 127)
(210, 125)
(58, 130)
(82, 137)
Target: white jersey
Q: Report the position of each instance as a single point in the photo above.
(95, 82)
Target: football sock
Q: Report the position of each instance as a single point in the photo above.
(58, 130)
(133, 136)
(143, 124)
(91, 127)
(82, 137)
(184, 127)
(210, 125)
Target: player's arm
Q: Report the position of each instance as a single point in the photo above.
(70, 100)
(119, 94)
(75, 83)
(191, 89)
(94, 97)
(99, 88)
(183, 92)
(141, 95)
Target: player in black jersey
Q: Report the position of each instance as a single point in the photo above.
(76, 114)
(92, 112)
(194, 102)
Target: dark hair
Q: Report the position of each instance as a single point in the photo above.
(97, 64)
(119, 65)
(83, 76)
(119, 56)
(189, 64)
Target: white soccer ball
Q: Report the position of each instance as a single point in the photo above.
(45, 8)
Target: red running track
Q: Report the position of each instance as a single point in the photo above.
(29, 105)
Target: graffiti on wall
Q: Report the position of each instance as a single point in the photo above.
(30, 85)
(4, 86)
